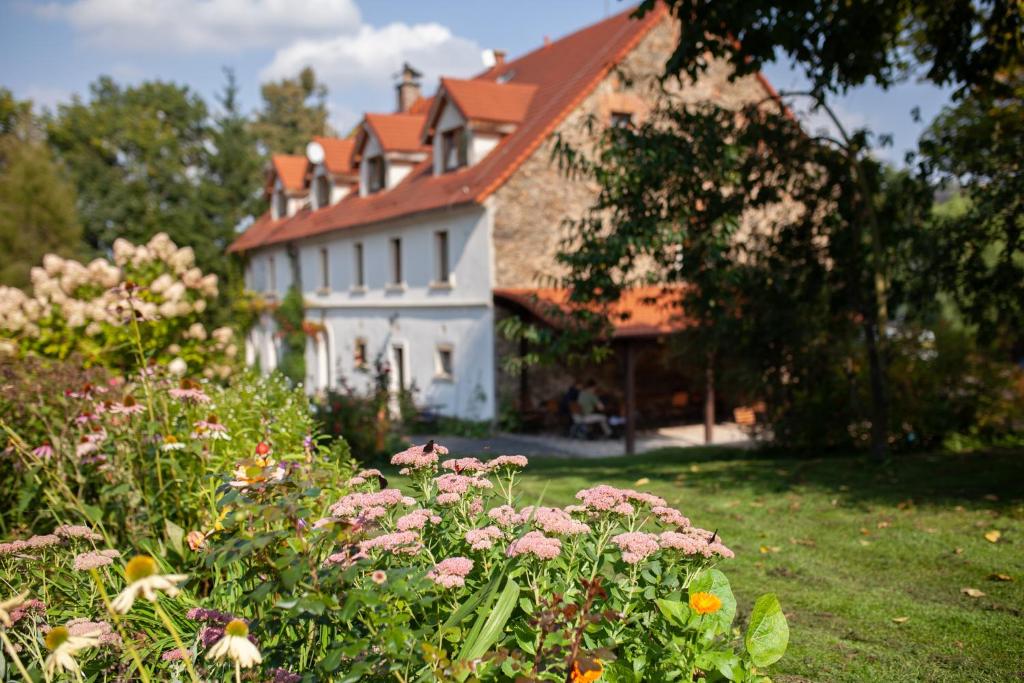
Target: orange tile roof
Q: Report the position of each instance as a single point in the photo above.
(291, 169)
(648, 311)
(482, 100)
(338, 154)
(562, 73)
(421, 106)
(395, 132)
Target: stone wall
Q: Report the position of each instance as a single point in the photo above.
(532, 206)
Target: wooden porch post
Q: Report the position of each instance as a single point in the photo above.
(630, 398)
(524, 386)
(709, 400)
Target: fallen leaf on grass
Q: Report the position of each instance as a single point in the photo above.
(1000, 577)
(884, 524)
(972, 592)
(865, 543)
(803, 541)
(864, 532)
(765, 549)
(958, 551)
(901, 620)
(642, 481)
(993, 536)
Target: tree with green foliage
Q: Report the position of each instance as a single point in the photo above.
(294, 111)
(37, 204)
(811, 292)
(137, 155)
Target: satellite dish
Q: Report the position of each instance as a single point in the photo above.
(315, 153)
(488, 58)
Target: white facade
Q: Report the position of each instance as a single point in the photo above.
(419, 322)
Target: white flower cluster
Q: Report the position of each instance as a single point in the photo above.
(89, 296)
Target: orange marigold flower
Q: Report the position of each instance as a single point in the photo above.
(705, 603)
(589, 672)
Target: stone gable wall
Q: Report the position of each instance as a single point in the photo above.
(531, 207)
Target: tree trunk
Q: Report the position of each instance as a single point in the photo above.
(709, 400)
(879, 397)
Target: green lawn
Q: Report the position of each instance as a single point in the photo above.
(848, 547)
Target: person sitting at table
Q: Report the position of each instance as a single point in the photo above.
(591, 407)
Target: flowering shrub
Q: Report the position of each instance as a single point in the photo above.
(93, 311)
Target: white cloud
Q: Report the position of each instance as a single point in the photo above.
(202, 25)
(373, 55)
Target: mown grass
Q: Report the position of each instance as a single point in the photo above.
(850, 546)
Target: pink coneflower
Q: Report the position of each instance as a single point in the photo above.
(483, 539)
(451, 572)
(85, 418)
(537, 544)
(461, 465)
(190, 392)
(417, 519)
(211, 428)
(171, 443)
(86, 446)
(507, 462)
(127, 406)
(43, 451)
(636, 545)
(419, 457)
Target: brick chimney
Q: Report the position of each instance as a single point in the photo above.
(408, 87)
(499, 57)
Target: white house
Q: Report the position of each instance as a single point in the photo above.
(411, 237)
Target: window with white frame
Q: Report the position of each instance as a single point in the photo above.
(454, 149)
(325, 270)
(375, 176)
(442, 271)
(396, 261)
(443, 361)
(359, 280)
(621, 119)
(359, 355)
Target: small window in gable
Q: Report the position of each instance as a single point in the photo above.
(360, 275)
(442, 272)
(279, 205)
(396, 261)
(454, 150)
(621, 119)
(321, 191)
(375, 174)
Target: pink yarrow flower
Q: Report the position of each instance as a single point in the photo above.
(451, 572)
(604, 498)
(694, 541)
(483, 539)
(94, 559)
(398, 543)
(364, 476)
(505, 515)
(417, 519)
(507, 462)
(670, 516)
(77, 531)
(537, 544)
(636, 546)
(460, 465)
(553, 521)
(371, 505)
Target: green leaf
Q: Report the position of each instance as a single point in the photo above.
(674, 610)
(175, 537)
(494, 625)
(716, 583)
(768, 633)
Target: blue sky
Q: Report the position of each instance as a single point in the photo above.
(52, 49)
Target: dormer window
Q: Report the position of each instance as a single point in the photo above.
(321, 191)
(375, 177)
(279, 205)
(621, 119)
(454, 149)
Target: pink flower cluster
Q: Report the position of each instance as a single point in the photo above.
(553, 520)
(417, 519)
(189, 394)
(483, 539)
(451, 572)
(670, 516)
(537, 544)
(33, 605)
(398, 543)
(418, 457)
(96, 629)
(94, 559)
(452, 487)
(507, 461)
(369, 506)
(505, 515)
(77, 531)
(34, 543)
(461, 465)
(363, 477)
(694, 541)
(636, 545)
(604, 498)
